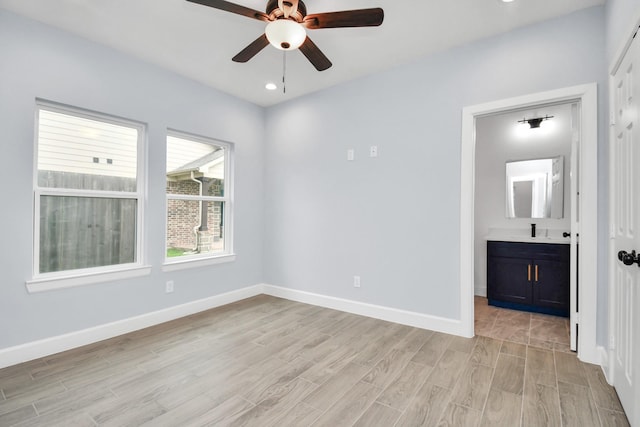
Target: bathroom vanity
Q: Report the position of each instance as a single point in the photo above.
(529, 268)
(529, 275)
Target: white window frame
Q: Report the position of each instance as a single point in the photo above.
(199, 260)
(77, 277)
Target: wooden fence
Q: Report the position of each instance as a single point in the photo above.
(82, 232)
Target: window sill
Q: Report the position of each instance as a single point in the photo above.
(198, 262)
(61, 282)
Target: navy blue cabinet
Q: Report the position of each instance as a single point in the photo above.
(529, 276)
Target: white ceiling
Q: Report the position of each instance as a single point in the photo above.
(198, 42)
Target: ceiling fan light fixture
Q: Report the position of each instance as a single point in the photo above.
(285, 34)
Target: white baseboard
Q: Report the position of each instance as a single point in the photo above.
(410, 318)
(45, 347)
(480, 292)
(604, 363)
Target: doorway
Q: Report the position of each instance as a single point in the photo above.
(524, 177)
(585, 204)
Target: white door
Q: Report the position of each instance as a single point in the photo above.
(626, 233)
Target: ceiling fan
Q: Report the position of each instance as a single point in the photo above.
(287, 20)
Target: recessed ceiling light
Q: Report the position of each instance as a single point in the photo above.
(270, 86)
(506, 1)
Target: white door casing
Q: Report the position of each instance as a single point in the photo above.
(624, 291)
(586, 96)
(575, 225)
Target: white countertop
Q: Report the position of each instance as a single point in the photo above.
(524, 236)
(529, 239)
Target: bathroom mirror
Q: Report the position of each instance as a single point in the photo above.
(535, 188)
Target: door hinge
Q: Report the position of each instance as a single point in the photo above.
(576, 318)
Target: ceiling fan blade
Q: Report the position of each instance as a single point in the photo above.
(347, 18)
(315, 55)
(252, 50)
(233, 8)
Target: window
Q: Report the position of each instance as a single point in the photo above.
(198, 198)
(88, 193)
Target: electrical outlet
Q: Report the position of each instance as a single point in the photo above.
(356, 281)
(351, 154)
(373, 151)
(169, 286)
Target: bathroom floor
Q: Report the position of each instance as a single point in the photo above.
(536, 330)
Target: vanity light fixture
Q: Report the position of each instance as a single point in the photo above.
(535, 122)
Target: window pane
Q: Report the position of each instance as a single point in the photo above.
(84, 232)
(194, 227)
(79, 153)
(194, 168)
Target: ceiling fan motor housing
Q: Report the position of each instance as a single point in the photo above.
(274, 11)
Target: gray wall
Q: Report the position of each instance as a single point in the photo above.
(621, 15)
(394, 220)
(38, 61)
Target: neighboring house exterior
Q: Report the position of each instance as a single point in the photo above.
(192, 225)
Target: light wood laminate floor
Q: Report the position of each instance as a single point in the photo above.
(271, 362)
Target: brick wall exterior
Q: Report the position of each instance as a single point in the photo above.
(182, 216)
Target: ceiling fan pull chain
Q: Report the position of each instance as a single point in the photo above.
(284, 71)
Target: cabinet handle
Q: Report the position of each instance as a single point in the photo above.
(536, 272)
(529, 272)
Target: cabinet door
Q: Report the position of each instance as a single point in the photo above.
(552, 287)
(508, 279)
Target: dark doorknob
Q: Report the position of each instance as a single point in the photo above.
(629, 258)
(565, 234)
